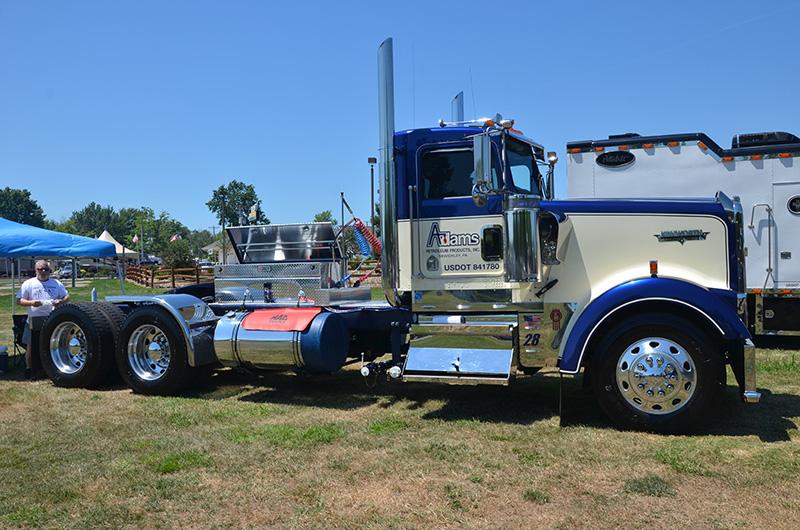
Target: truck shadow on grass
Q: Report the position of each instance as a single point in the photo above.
(525, 402)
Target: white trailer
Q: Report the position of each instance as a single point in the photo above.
(763, 169)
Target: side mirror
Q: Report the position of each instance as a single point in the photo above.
(482, 153)
(552, 159)
(482, 170)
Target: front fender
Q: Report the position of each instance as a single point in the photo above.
(717, 306)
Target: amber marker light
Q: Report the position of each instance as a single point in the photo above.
(624, 147)
(599, 149)
(673, 144)
(702, 146)
(574, 150)
(784, 155)
(756, 157)
(648, 146)
(727, 159)
(653, 268)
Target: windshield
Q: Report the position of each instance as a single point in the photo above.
(522, 166)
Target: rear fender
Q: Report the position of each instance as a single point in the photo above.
(190, 313)
(717, 307)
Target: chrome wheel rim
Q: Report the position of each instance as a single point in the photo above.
(68, 348)
(149, 352)
(656, 375)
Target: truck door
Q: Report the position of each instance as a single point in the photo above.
(454, 239)
(786, 243)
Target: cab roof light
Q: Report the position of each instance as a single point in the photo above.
(756, 291)
(573, 150)
(648, 146)
(702, 146)
(727, 159)
(784, 155)
(673, 144)
(624, 147)
(786, 291)
(599, 149)
(756, 157)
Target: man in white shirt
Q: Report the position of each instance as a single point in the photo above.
(40, 295)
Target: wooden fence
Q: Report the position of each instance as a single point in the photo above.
(171, 277)
(168, 277)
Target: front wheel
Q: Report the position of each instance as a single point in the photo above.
(151, 353)
(657, 372)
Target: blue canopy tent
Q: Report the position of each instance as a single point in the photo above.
(19, 240)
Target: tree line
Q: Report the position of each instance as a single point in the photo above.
(235, 203)
(158, 234)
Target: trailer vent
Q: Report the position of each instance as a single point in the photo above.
(763, 138)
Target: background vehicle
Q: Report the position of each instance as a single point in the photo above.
(486, 278)
(763, 169)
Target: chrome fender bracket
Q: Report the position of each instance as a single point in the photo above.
(742, 356)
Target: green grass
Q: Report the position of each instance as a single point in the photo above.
(180, 461)
(789, 362)
(329, 452)
(535, 496)
(289, 436)
(650, 485)
(387, 426)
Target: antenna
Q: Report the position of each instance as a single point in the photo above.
(472, 91)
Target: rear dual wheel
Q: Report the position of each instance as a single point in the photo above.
(151, 352)
(76, 346)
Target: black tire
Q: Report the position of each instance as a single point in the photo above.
(167, 378)
(97, 346)
(681, 408)
(115, 317)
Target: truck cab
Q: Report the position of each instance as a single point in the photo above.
(450, 222)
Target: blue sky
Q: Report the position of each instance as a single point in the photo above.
(157, 103)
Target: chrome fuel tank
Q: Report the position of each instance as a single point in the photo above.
(321, 347)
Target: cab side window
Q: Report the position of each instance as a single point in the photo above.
(448, 173)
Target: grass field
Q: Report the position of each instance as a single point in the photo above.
(330, 452)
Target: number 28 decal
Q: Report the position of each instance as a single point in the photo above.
(532, 339)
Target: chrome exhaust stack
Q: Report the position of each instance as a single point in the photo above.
(388, 184)
(457, 108)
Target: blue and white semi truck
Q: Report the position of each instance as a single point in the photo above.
(486, 279)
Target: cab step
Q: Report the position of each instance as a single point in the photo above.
(461, 350)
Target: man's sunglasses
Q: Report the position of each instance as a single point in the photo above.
(43, 270)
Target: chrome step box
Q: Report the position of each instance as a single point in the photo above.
(458, 365)
(461, 349)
